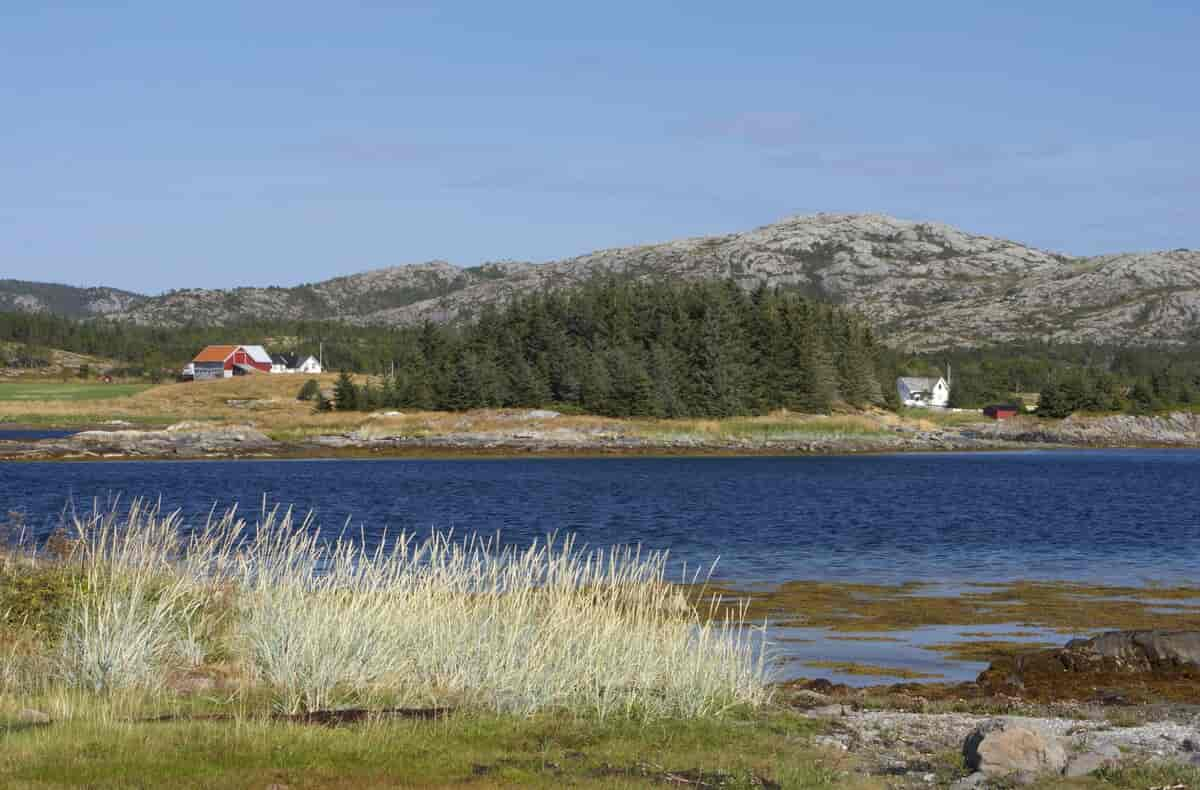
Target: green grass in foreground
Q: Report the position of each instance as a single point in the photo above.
(44, 391)
(472, 750)
(547, 750)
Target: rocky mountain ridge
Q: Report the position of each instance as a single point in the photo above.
(925, 285)
(36, 297)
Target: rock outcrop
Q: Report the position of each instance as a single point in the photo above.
(1119, 664)
(1117, 430)
(1141, 651)
(186, 439)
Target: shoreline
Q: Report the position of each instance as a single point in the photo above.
(260, 417)
(377, 439)
(53, 450)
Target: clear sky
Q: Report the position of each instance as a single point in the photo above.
(152, 145)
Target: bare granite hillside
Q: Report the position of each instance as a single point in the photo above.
(35, 297)
(925, 285)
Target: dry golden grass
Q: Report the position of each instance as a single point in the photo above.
(269, 403)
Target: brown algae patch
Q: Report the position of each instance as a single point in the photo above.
(854, 668)
(986, 650)
(997, 634)
(983, 623)
(1065, 607)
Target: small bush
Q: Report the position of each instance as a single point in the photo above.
(310, 390)
(35, 598)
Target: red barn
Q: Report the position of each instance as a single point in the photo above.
(216, 362)
(1001, 411)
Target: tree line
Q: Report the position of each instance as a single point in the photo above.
(1064, 378)
(636, 349)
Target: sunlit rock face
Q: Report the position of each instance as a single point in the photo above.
(925, 285)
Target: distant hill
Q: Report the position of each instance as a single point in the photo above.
(925, 285)
(32, 297)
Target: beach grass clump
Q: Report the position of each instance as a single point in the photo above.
(476, 622)
(317, 623)
(130, 600)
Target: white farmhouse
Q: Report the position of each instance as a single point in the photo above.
(309, 364)
(294, 363)
(923, 391)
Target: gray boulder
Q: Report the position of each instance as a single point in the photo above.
(1089, 762)
(970, 782)
(1002, 747)
(1143, 651)
(31, 716)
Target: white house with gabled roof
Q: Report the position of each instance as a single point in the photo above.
(923, 391)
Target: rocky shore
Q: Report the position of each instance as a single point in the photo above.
(1063, 712)
(915, 749)
(535, 432)
(195, 440)
(1179, 429)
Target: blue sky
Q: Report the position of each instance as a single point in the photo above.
(153, 145)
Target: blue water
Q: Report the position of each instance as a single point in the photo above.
(1111, 516)
(32, 434)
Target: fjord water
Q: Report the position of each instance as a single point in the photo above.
(1118, 517)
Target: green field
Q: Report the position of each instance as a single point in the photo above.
(465, 750)
(45, 391)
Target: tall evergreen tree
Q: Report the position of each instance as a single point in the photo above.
(345, 393)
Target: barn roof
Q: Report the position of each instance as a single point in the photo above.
(215, 354)
(258, 354)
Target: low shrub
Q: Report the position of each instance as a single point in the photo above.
(309, 390)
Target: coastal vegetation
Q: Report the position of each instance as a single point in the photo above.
(529, 664)
(547, 750)
(272, 404)
(123, 599)
(246, 654)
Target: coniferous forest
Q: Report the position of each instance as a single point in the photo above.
(626, 349)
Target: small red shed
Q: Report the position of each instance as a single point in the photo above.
(1001, 411)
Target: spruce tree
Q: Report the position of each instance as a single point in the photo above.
(345, 394)
(595, 385)
(1052, 402)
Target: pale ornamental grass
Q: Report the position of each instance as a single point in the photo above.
(432, 621)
